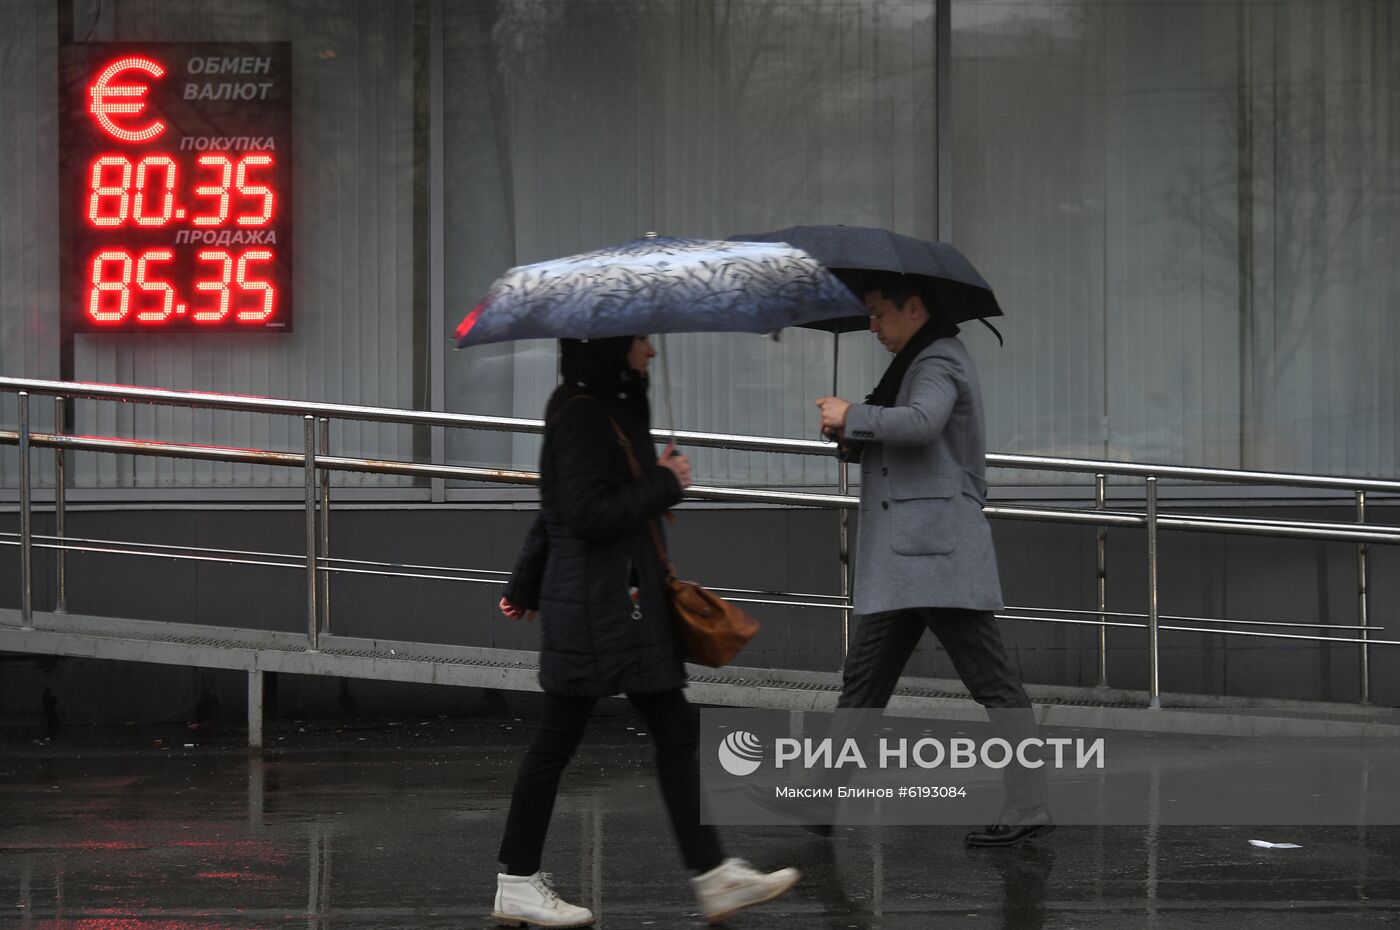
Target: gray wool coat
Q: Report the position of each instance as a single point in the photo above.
(922, 539)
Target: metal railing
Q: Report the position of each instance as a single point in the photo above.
(317, 465)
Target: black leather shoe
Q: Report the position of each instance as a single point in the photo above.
(1012, 827)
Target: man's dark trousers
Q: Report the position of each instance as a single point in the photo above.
(885, 641)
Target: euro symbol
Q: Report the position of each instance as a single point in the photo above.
(102, 108)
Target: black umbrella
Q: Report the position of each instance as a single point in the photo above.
(950, 282)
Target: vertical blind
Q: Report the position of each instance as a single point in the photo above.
(29, 333)
(577, 125)
(1189, 210)
(354, 146)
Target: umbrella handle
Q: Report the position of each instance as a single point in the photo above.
(835, 362)
(666, 384)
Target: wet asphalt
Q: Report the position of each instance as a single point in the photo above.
(372, 824)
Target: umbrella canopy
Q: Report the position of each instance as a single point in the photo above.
(659, 284)
(853, 251)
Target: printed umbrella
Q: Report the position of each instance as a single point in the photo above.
(659, 284)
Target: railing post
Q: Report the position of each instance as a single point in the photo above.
(843, 485)
(1362, 596)
(1154, 655)
(255, 708)
(26, 529)
(60, 500)
(325, 446)
(1101, 502)
(313, 643)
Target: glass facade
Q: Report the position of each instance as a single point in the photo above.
(361, 325)
(572, 126)
(1190, 211)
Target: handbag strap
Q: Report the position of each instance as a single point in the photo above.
(636, 468)
(626, 444)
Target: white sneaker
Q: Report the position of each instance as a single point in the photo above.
(531, 899)
(734, 884)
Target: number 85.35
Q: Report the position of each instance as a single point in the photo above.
(118, 278)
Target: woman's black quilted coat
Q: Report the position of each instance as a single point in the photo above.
(592, 544)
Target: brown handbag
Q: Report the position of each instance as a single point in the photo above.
(712, 629)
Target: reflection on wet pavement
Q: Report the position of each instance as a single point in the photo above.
(395, 824)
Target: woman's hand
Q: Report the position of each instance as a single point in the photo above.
(678, 464)
(515, 613)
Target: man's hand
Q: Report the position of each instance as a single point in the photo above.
(515, 613)
(834, 411)
(678, 464)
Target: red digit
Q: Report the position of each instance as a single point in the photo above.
(221, 285)
(145, 283)
(249, 284)
(167, 209)
(255, 190)
(224, 166)
(100, 191)
(116, 314)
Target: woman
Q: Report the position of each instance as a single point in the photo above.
(591, 568)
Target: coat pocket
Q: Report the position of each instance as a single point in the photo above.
(922, 516)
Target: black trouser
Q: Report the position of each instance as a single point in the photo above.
(676, 732)
(884, 642)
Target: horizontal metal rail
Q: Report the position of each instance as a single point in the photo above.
(1371, 533)
(1192, 473)
(1344, 640)
(365, 566)
(293, 560)
(236, 402)
(1129, 613)
(317, 464)
(492, 576)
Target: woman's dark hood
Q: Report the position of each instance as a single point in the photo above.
(599, 368)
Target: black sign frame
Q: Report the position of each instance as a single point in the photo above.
(221, 114)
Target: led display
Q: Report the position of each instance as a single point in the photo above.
(176, 186)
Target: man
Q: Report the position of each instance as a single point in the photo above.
(924, 553)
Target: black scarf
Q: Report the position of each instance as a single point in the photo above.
(887, 391)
